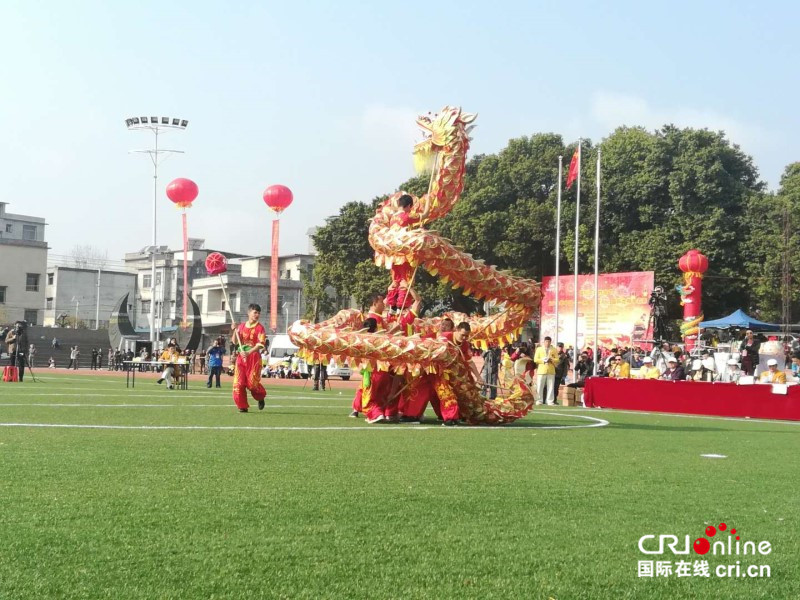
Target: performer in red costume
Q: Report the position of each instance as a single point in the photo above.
(420, 390)
(447, 398)
(250, 337)
(403, 272)
(376, 308)
(364, 392)
(375, 315)
(404, 323)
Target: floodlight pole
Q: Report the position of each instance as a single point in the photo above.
(155, 155)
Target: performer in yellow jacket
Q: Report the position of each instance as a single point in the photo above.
(772, 374)
(546, 358)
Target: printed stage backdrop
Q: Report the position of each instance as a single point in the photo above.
(623, 308)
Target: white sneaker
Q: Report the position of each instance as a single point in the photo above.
(538, 403)
(376, 419)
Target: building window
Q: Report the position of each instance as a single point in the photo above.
(199, 301)
(146, 307)
(32, 316)
(288, 273)
(29, 232)
(158, 278)
(234, 306)
(2, 294)
(50, 278)
(147, 281)
(222, 302)
(49, 304)
(32, 282)
(9, 228)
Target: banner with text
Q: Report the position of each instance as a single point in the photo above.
(623, 308)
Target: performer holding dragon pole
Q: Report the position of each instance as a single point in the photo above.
(402, 272)
(251, 338)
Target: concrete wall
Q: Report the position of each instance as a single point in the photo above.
(81, 284)
(17, 259)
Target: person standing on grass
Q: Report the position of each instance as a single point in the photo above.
(362, 397)
(562, 367)
(250, 337)
(490, 371)
(72, 358)
(214, 355)
(546, 359)
(94, 359)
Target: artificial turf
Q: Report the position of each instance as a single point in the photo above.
(308, 503)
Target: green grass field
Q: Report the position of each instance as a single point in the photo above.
(187, 498)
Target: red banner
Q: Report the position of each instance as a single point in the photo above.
(623, 308)
(273, 279)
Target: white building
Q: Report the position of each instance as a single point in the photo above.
(248, 281)
(23, 263)
(85, 297)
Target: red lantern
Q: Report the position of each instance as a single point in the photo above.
(182, 192)
(278, 197)
(693, 261)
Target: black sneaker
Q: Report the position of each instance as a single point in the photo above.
(242, 410)
(208, 385)
(410, 420)
(353, 414)
(261, 405)
(450, 423)
(160, 381)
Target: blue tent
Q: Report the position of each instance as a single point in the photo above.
(739, 319)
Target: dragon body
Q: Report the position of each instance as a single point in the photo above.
(446, 145)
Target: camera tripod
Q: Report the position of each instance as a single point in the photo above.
(25, 363)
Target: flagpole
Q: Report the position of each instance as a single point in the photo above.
(597, 269)
(558, 243)
(575, 295)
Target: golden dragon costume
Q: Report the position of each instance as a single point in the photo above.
(446, 145)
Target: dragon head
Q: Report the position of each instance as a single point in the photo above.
(443, 130)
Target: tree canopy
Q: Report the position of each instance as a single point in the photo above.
(663, 192)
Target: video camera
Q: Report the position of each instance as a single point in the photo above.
(657, 296)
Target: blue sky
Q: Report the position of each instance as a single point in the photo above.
(322, 96)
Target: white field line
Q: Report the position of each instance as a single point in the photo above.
(594, 423)
(684, 416)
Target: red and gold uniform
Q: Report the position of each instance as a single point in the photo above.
(401, 273)
(448, 403)
(419, 392)
(392, 399)
(363, 393)
(247, 375)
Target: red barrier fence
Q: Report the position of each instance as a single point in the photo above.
(694, 398)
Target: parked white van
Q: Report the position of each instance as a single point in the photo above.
(281, 349)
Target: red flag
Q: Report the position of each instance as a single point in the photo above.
(573, 169)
